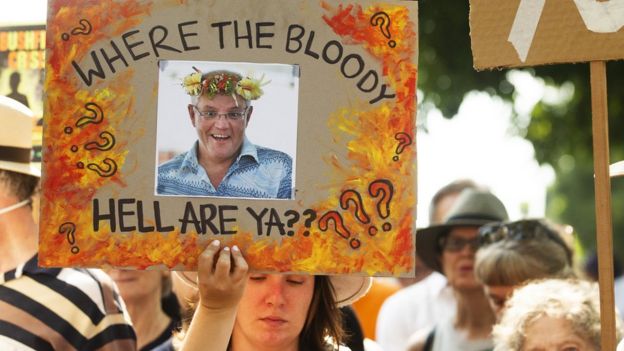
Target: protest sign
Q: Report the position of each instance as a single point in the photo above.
(338, 100)
(522, 33)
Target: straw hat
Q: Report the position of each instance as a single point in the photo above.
(16, 137)
(347, 288)
(473, 208)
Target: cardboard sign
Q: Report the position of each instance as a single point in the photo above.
(325, 177)
(520, 33)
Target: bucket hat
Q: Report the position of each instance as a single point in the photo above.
(473, 208)
(16, 137)
(349, 288)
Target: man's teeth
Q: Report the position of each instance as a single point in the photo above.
(219, 136)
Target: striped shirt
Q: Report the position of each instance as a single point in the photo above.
(62, 309)
(257, 172)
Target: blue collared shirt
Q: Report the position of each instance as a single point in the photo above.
(258, 172)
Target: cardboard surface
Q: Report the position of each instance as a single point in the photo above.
(564, 31)
(354, 202)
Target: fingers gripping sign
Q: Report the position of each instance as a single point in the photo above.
(222, 276)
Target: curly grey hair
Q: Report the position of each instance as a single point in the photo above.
(574, 300)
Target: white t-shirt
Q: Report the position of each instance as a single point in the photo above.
(619, 294)
(447, 338)
(421, 305)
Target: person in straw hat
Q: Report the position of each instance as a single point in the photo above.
(449, 248)
(45, 308)
(238, 310)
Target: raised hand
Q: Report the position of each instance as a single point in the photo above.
(222, 275)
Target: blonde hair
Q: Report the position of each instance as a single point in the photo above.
(576, 301)
(514, 261)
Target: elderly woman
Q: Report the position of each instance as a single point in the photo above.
(514, 253)
(552, 315)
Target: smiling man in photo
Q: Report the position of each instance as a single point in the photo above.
(223, 162)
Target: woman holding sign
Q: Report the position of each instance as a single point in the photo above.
(291, 312)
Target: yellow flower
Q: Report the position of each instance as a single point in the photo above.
(192, 84)
(250, 88)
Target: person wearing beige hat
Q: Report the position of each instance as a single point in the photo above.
(238, 310)
(45, 308)
(450, 248)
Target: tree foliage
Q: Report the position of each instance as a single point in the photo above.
(560, 132)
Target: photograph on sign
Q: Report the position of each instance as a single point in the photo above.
(207, 111)
(284, 127)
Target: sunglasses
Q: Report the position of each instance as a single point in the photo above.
(526, 229)
(455, 244)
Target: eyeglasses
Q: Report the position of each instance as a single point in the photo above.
(231, 115)
(455, 244)
(521, 230)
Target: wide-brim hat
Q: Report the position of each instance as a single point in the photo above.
(473, 208)
(347, 288)
(617, 169)
(16, 137)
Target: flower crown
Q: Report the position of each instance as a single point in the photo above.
(196, 84)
